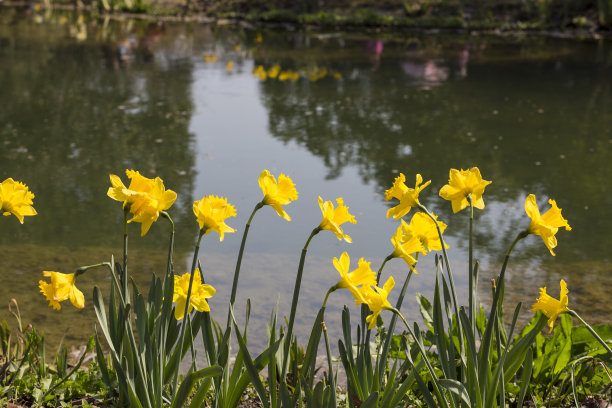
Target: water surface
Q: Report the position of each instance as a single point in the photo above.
(84, 98)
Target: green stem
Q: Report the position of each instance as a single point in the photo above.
(593, 332)
(499, 284)
(379, 274)
(329, 292)
(294, 302)
(170, 264)
(428, 364)
(498, 290)
(473, 281)
(239, 261)
(398, 306)
(186, 313)
(448, 272)
(124, 283)
(330, 374)
(83, 269)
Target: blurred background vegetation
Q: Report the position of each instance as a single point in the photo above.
(456, 14)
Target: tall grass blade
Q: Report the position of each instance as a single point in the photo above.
(250, 366)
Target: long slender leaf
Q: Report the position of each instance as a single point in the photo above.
(455, 387)
(250, 366)
(525, 377)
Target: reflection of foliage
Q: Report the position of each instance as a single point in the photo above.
(65, 107)
(527, 136)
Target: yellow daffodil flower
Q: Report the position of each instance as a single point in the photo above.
(62, 287)
(376, 300)
(405, 245)
(211, 212)
(260, 72)
(550, 306)
(259, 38)
(409, 197)
(146, 197)
(273, 71)
(277, 194)
(460, 184)
(334, 217)
(229, 67)
(199, 293)
(16, 199)
(424, 228)
(288, 75)
(362, 276)
(547, 224)
(210, 58)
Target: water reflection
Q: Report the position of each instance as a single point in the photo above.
(527, 136)
(73, 113)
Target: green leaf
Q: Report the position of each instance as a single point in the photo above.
(525, 377)
(563, 356)
(250, 366)
(370, 402)
(426, 310)
(198, 399)
(189, 381)
(310, 358)
(455, 387)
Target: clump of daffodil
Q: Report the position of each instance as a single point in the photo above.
(550, 306)
(16, 199)
(211, 212)
(547, 224)
(334, 217)
(464, 183)
(423, 227)
(145, 198)
(408, 197)
(405, 244)
(260, 72)
(277, 194)
(363, 276)
(273, 71)
(199, 293)
(376, 299)
(62, 287)
(288, 75)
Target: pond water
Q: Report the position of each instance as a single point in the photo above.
(84, 98)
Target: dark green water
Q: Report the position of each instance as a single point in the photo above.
(84, 98)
